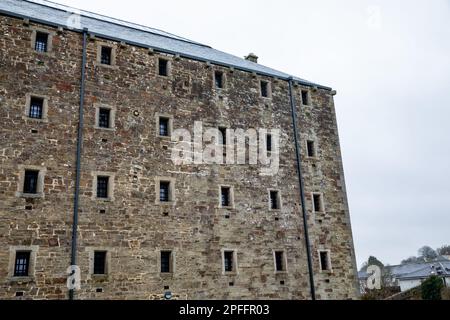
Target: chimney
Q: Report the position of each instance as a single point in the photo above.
(252, 57)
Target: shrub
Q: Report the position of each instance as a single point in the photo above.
(431, 288)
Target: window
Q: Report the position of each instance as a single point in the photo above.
(163, 67)
(279, 261)
(228, 257)
(311, 148)
(166, 261)
(41, 43)
(22, 264)
(164, 191)
(225, 196)
(104, 116)
(222, 136)
(324, 260)
(269, 143)
(163, 127)
(30, 185)
(317, 202)
(264, 89)
(100, 262)
(274, 200)
(36, 108)
(106, 55)
(305, 97)
(218, 79)
(102, 187)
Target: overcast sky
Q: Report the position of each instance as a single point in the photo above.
(389, 62)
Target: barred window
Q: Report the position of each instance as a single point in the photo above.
(104, 116)
(163, 127)
(102, 187)
(100, 262)
(106, 55)
(30, 181)
(22, 264)
(228, 261)
(164, 191)
(166, 261)
(41, 44)
(36, 108)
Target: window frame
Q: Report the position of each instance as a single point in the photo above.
(322, 202)
(170, 262)
(111, 184)
(328, 256)
(168, 117)
(279, 202)
(283, 261)
(168, 70)
(231, 204)
(91, 256)
(308, 97)
(235, 269)
(172, 191)
(113, 47)
(50, 34)
(28, 99)
(268, 89)
(105, 262)
(42, 171)
(112, 116)
(314, 148)
(13, 250)
(222, 80)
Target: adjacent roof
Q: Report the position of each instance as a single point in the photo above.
(54, 14)
(416, 270)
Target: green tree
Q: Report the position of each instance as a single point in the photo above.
(431, 288)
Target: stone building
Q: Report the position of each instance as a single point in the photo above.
(145, 224)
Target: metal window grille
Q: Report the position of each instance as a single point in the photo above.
(22, 264)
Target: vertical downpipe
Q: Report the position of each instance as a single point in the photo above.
(78, 160)
(302, 192)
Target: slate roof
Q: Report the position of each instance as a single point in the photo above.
(54, 14)
(416, 270)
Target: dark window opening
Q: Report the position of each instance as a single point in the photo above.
(274, 203)
(104, 116)
(228, 261)
(36, 108)
(163, 66)
(317, 199)
(225, 196)
(311, 149)
(166, 257)
(324, 261)
(106, 55)
(41, 44)
(22, 264)
(163, 127)
(164, 191)
(223, 136)
(218, 78)
(264, 89)
(100, 262)
(269, 142)
(31, 181)
(305, 97)
(102, 187)
(279, 263)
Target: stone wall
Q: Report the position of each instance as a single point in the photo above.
(133, 227)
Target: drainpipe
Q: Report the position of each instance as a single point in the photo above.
(73, 259)
(302, 192)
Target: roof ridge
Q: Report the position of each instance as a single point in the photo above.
(108, 19)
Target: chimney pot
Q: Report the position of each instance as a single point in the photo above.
(252, 57)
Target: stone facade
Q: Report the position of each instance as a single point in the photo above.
(131, 225)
